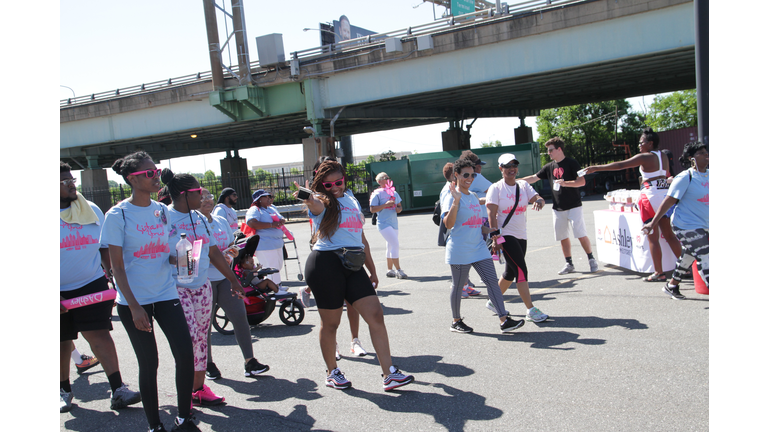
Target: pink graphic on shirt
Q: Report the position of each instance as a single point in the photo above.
(390, 190)
(558, 173)
(352, 223)
(473, 222)
(221, 239)
(76, 241)
(518, 210)
(152, 250)
(704, 199)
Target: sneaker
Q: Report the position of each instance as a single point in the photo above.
(281, 289)
(65, 402)
(158, 428)
(396, 379)
(88, 362)
(401, 274)
(391, 273)
(184, 425)
(253, 368)
(471, 291)
(673, 292)
(205, 396)
(536, 315)
(357, 348)
(509, 325)
(464, 293)
(567, 269)
(212, 372)
(494, 257)
(337, 380)
(123, 396)
(491, 307)
(338, 353)
(470, 284)
(460, 327)
(593, 265)
(304, 297)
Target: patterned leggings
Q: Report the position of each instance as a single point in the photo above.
(197, 305)
(695, 245)
(487, 272)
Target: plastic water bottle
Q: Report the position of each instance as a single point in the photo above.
(184, 261)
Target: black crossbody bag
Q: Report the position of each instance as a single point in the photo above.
(489, 241)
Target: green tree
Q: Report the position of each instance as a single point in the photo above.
(370, 159)
(673, 111)
(210, 176)
(387, 156)
(589, 129)
(112, 184)
(496, 143)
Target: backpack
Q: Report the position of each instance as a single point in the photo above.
(437, 213)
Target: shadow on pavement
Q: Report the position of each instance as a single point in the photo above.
(258, 419)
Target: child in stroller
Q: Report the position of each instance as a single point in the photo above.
(247, 265)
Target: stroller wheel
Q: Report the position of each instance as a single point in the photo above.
(291, 312)
(221, 323)
(301, 277)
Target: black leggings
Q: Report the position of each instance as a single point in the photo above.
(514, 254)
(170, 317)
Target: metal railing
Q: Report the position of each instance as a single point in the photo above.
(347, 46)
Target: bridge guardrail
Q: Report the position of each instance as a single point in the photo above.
(318, 53)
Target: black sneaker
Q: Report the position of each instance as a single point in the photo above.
(186, 425)
(673, 292)
(253, 368)
(212, 372)
(158, 428)
(509, 325)
(460, 327)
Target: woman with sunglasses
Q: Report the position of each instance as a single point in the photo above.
(196, 296)
(465, 247)
(264, 217)
(224, 297)
(387, 207)
(138, 235)
(689, 194)
(338, 219)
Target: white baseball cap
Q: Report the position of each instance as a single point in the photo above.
(507, 158)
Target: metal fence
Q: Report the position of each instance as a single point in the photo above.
(277, 182)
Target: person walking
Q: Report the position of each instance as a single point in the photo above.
(225, 208)
(335, 274)
(567, 214)
(264, 217)
(689, 194)
(138, 233)
(225, 298)
(83, 260)
(387, 204)
(654, 168)
(507, 202)
(196, 296)
(465, 247)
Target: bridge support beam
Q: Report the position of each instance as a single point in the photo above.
(523, 134)
(94, 184)
(455, 138)
(315, 147)
(234, 174)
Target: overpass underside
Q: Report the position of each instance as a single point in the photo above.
(501, 67)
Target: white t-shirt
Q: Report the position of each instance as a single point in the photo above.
(227, 213)
(503, 195)
(80, 259)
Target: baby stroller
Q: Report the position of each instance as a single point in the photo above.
(259, 303)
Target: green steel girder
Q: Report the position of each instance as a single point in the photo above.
(240, 103)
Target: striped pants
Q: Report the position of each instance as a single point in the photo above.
(487, 272)
(695, 244)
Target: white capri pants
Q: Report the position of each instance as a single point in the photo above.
(393, 243)
(565, 220)
(272, 259)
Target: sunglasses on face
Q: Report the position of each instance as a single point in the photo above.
(150, 173)
(69, 182)
(193, 190)
(208, 197)
(329, 185)
(466, 175)
(510, 165)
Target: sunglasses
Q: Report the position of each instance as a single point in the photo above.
(329, 185)
(193, 190)
(466, 175)
(510, 165)
(149, 173)
(208, 197)
(69, 182)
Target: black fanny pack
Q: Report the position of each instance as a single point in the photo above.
(351, 258)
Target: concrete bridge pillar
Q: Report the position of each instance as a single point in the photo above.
(314, 147)
(234, 174)
(455, 138)
(523, 134)
(345, 144)
(94, 184)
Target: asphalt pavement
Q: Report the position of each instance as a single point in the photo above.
(616, 354)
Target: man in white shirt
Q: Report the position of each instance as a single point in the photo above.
(224, 208)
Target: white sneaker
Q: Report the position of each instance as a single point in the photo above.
(491, 307)
(401, 275)
(281, 289)
(593, 265)
(357, 348)
(338, 353)
(569, 268)
(392, 273)
(65, 403)
(536, 315)
(304, 297)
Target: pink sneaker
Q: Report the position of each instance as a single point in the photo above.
(205, 396)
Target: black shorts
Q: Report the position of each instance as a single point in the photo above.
(514, 256)
(97, 316)
(331, 283)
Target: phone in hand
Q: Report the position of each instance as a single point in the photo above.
(304, 193)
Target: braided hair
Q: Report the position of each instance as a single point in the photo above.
(330, 222)
(128, 164)
(177, 183)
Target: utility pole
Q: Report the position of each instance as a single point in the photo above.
(701, 20)
(241, 42)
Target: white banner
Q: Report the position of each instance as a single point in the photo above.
(621, 242)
